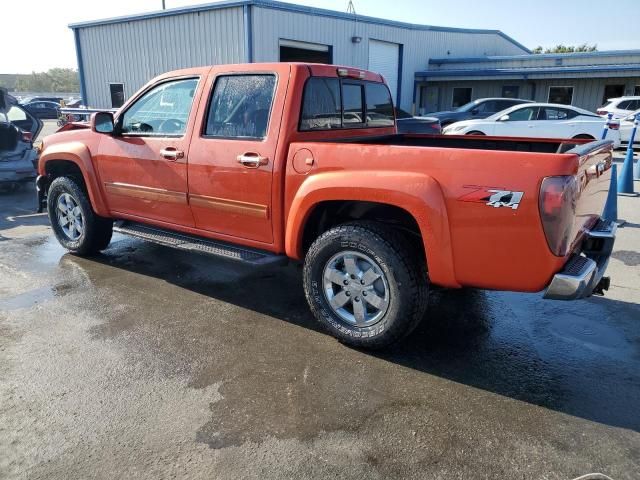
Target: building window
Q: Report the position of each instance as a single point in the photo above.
(510, 91)
(117, 94)
(612, 91)
(294, 51)
(562, 95)
(636, 91)
(461, 96)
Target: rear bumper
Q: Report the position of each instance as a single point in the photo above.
(585, 269)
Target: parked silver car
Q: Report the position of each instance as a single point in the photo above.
(18, 129)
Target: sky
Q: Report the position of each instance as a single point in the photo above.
(543, 22)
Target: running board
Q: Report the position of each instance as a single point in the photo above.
(193, 243)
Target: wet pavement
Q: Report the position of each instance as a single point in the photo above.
(152, 363)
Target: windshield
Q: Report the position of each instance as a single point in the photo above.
(466, 107)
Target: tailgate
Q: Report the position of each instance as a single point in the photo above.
(594, 177)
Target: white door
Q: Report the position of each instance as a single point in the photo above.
(384, 58)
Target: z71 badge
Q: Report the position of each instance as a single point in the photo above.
(493, 197)
(505, 198)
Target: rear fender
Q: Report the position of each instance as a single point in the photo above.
(418, 194)
(79, 154)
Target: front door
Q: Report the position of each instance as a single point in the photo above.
(231, 163)
(522, 122)
(143, 168)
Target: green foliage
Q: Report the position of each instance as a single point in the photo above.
(567, 49)
(54, 80)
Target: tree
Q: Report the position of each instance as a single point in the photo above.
(53, 80)
(560, 48)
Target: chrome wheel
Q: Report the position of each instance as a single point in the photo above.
(69, 216)
(356, 288)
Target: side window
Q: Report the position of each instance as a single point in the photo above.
(321, 105)
(379, 105)
(523, 114)
(352, 103)
(553, 114)
(16, 114)
(635, 105)
(487, 107)
(162, 111)
(624, 105)
(240, 106)
(503, 105)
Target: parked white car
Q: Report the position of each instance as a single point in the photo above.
(541, 120)
(620, 107)
(626, 126)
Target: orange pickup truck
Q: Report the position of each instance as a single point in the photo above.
(261, 163)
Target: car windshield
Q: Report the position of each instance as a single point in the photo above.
(467, 106)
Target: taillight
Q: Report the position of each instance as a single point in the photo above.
(27, 136)
(557, 204)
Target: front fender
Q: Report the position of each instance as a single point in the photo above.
(79, 154)
(419, 194)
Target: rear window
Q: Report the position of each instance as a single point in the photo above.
(331, 103)
(379, 105)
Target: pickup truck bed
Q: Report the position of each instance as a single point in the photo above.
(264, 162)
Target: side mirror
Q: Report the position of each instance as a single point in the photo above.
(504, 118)
(102, 122)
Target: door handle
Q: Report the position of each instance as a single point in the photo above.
(252, 160)
(171, 153)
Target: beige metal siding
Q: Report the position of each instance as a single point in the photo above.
(270, 25)
(134, 52)
(587, 93)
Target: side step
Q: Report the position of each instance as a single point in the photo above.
(192, 243)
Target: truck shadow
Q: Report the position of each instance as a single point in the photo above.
(19, 209)
(579, 358)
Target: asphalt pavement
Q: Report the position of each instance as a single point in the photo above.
(145, 362)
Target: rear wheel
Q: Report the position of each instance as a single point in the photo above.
(75, 224)
(366, 284)
(475, 132)
(584, 136)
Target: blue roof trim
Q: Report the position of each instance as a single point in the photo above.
(605, 53)
(291, 8)
(525, 71)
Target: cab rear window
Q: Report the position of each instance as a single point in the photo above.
(332, 103)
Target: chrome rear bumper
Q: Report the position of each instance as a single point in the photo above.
(585, 269)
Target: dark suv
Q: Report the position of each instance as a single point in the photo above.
(481, 108)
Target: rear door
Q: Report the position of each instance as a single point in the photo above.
(555, 122)
(233, 151)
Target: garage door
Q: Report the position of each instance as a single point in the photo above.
(384, 58)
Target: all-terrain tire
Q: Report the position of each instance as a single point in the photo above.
(402, 266)
(96, 230)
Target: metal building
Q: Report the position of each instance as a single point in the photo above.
(117, 56)
(585, 80)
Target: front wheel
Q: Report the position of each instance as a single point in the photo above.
(366, 284)
(74, 223)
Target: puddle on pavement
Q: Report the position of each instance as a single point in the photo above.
(27, 299)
